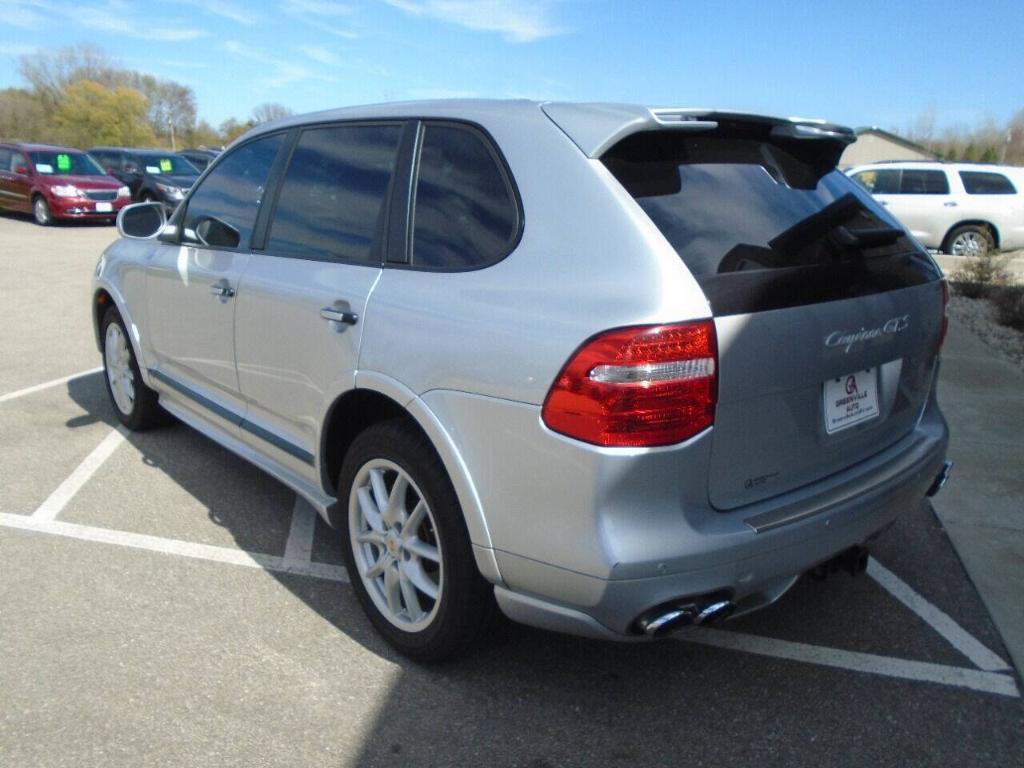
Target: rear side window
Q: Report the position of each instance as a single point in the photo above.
(333, 194)
(222, 210)
(885, 181)
(920, 182)
(760, 228)
(986, 183)
(465, 213)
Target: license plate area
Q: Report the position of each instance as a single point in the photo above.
(850, 400)
(104, 207)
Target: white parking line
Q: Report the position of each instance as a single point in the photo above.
(172, 547)
(976, 680)
(298, 551)
(57, 500)
(47, 385)
(941, 622)
(905, 669)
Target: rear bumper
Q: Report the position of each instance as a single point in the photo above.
(753, 567)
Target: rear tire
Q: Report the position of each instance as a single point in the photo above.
(41, 211)
(134, 403)
(969, 240)
(407, 551)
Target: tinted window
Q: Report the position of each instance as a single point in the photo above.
(917, 182)
(231, 195)
(761, 228)
(333, 193)
(982, 183)
(880, 181)
(465, 213)
(55, 162)
(157, 164)
(5, 159)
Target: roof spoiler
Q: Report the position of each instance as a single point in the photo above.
(596, 128)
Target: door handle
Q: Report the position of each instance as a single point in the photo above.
(222, 289)
(339, 316)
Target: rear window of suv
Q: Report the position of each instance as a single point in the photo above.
(762, 229)
(986, 183)
(921, 182)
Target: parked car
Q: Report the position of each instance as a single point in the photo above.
(616, 369)
(53, 182)
(200, 158)
(964, 209)
(151, 174)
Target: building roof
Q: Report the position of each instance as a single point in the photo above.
(894, 139)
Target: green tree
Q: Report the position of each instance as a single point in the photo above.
(89, 113)
(22, 116)
(231, 129)
(203, 135)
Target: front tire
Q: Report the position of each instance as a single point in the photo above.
(134, 403)
(969, 240)
(406, 546)
(41, 211)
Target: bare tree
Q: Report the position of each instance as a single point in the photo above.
(264, 113)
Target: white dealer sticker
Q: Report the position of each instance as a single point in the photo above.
(850, 400)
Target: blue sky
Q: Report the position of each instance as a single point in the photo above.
(862, 63)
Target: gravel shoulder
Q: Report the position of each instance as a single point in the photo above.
(979, 316)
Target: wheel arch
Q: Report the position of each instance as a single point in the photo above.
(992, 228)
(104, 297)
(379, 398)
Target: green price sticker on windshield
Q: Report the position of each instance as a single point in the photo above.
(63, 162)
(165, 165)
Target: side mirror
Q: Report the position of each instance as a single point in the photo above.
(142, 221)
(22, 170)
(219, 234)
(111, 172)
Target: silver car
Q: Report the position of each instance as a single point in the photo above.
(614, 370)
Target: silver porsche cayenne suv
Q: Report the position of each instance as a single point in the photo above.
(609, 369)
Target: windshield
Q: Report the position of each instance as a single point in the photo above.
(65, 163)
(159, 164)
(758, 226)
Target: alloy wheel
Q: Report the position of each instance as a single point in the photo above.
(119, 370)
(395, 545)
(970, 244)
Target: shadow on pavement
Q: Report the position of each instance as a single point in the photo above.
(536, 699)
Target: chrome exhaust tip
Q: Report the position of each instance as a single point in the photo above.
(715, 612)
(940, 479)
(664, 620)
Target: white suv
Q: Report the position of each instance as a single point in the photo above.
(964, 209)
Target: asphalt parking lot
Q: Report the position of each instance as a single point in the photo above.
(162, 602)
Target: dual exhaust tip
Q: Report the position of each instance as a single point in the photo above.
(663, 620)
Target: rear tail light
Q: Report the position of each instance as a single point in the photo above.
(639, 386)
(945, 314)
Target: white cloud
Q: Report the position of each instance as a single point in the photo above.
(518, 21)
(281, 72)
(318, 7)
(24, 14)
(106, 20)
(321, 14)
(225, 9)
(322, 55)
